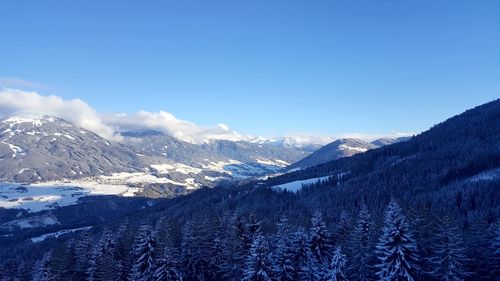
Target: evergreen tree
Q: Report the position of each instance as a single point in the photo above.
(306, 267)
(397, 250)
(361, 268)
(124, 253)
(495, 245)
(166, 269)
(321, 242)
(258, 265)
(337, 268)
(42, 270)
(83, 255)
(144, 251)
(449, 253)
(195, 251)
(234, 250)
(283, 256)
(104, 264)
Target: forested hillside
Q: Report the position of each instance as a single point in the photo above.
(425, 209)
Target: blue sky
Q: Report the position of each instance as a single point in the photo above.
(263, 67)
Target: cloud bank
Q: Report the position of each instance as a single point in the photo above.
(109, 126)
(75, 111)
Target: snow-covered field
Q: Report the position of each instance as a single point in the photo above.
(297, 185)
(57, 234)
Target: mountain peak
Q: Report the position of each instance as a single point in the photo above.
(36, 119)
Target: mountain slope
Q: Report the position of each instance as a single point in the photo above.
(338, 149)
(42, 147)
(458, 149)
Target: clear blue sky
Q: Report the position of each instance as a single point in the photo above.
(263, 67)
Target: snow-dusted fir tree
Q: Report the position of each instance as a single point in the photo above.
(337, 268)
(343, 229)
(449, 258)
(42, 270)
(103, 265)
(321, 242)
(284, 252)
(396, 249)
(166, 269)
(495, 245)
(144, 251)
(83, 255)
(258, 266)
(306, 267)
(195, 249)
(360, 267)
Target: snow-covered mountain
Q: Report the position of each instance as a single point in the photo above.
(37, 147)
(333, 151)
(388, 141)
(56, 161)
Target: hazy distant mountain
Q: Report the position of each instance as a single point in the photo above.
(333, 151)
(388, 141)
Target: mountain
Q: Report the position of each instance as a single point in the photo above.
(46, 162)
(333, 151)
(459, 150)
(42, 147)
(440, 184)
(236, 158)
(387, 141)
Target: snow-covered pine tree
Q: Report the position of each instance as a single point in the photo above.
(449, 258)
(195, 251)
(284, 252)
(166, 269)
(124, 253)
(105, 266)
(495, 245)
(361, 268)
(321, 242)
(306, 267)
(396, 249)
(233, 248)
(42, 270)
(144, 251)
(343, 229)
(63, 264)
(216, 252)
(337, 268)
(258, 265)
(83, 255)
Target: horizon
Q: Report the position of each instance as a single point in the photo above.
(265, 74)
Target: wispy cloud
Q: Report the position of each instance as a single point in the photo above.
(14, 82)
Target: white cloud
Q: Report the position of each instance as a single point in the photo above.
(75, 110)
(109, 125)
(168, 123)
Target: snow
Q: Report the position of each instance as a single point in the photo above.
(31, 222)
(58, 233)
(47, 195)
(295, 186)
(271, 162)
(352, 148)
(486, 175)
(35, 119)
(15, 149)
(179, 168)
(69, 137)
